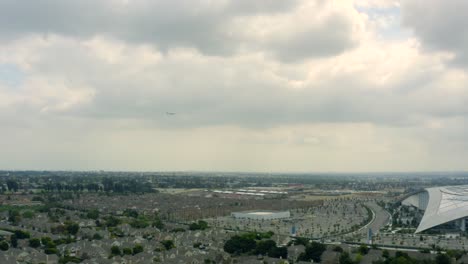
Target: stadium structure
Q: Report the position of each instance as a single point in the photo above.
(444, 207)
(261, 215)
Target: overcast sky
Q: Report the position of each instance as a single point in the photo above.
(264, 85)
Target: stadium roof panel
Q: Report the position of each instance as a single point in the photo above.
(445, 204)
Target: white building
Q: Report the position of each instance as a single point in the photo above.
(261, 215)
(442, 206)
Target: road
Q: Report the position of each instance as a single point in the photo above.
(382, 217)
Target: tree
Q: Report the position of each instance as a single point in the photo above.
(115, 251)
(112, 221)
(50, 251)
(312, 252)
(14, 241)
(72, 228)
(301, 241)
(345, 258)
(358, 258)
(278, 252)
(200, 225)
(168, 244)
(264, 246)
(137, 249)
(139, 223)
(12, 185)
(4, 246)
(385, 254)
(158, 223)
(127, 251)
(47, 242)
(14, 217)
(338, 249)
(20, 234)
(28, 214)
(239, 245)
(401, 254)
(442, 259)
(363, 249)
(453, 253)
(34, 242)
(177, 230)
(197, 244)
(131, 213)
(93, 214)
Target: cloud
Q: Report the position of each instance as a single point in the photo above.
(440, 26)
(255, 85)
(107, 79)
(212, 27)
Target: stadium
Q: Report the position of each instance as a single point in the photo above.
(261, 215)
(445, 208)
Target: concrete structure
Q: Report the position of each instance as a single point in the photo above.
(261, 215)
(444, 207)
